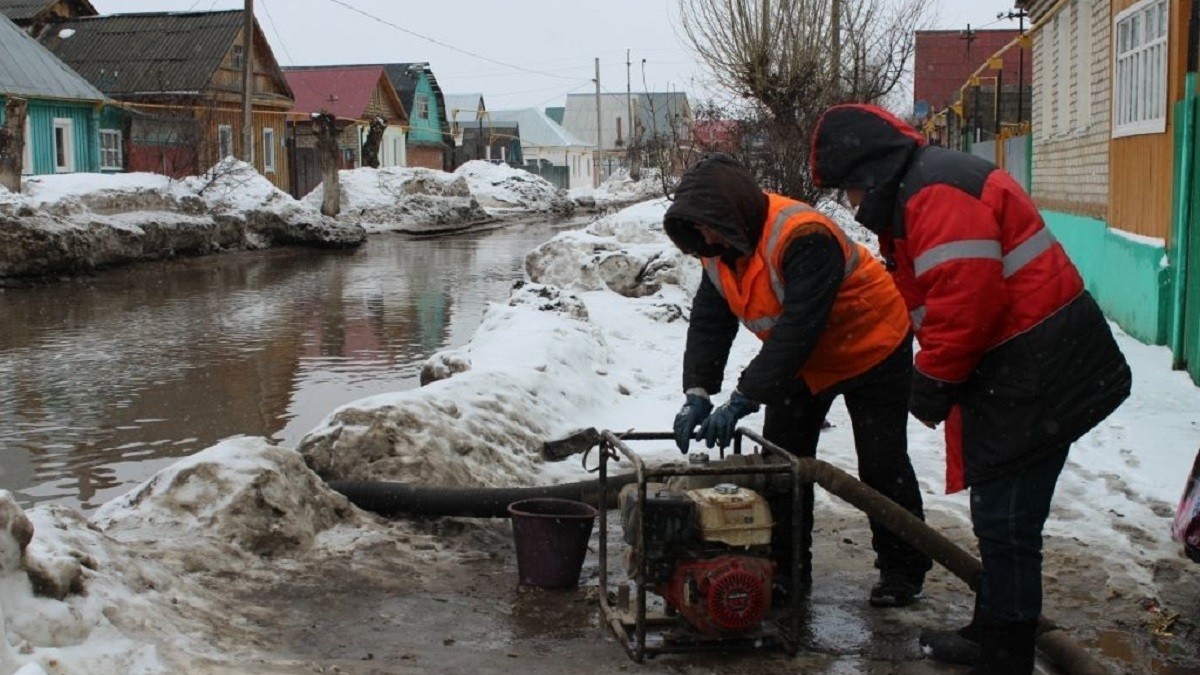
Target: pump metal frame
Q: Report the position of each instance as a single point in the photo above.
(631, 625)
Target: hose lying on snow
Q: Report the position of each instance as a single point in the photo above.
(391, 499)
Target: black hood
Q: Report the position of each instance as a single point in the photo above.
(864, 147)
(720, 193)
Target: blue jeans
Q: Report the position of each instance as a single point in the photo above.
(1008, 515)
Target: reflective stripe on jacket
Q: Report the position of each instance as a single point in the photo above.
(868, 319)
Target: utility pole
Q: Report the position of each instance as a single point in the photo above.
(1019, 15)
(599, 136)
(628, 97)
(248, 84)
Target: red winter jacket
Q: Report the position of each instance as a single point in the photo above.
(999, 309)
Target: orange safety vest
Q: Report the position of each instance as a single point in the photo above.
(868, 319)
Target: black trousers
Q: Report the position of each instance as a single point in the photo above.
(878, 404)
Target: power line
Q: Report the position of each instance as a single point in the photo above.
(279, 37)
(446, 45)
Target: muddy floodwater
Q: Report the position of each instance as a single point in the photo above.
(106, 379)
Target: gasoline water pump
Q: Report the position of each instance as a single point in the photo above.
(707, 553)
(701, 571)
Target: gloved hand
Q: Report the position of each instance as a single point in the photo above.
(718, 428)
(693, 412)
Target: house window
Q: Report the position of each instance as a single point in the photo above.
(110, 150)
(224, 141)
(1140, 90)
(269, 150)
(27, 152)
(421, 104)
(64, 145)
(239, 57)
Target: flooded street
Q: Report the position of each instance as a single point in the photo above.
(106, 379)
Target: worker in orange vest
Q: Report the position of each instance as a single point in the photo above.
(831, 323)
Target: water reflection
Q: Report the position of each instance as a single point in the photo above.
(104, 380)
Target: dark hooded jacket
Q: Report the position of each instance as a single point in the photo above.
(1015, 355)
(720, 193)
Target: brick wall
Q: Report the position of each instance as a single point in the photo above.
(1070, 168)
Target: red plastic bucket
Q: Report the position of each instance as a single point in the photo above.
(551, 537)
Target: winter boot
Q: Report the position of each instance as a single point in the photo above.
(896, 588)
(1007, 649)
(960, 646)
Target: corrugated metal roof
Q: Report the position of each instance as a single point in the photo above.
(27, 10)
(344, 91)
(29, 69)
(655, 111)
(159, 52)
(23, 10)
(538, 130)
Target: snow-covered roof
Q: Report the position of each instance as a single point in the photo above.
(538, 130)
(29, 69)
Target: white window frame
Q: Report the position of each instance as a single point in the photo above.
(1062, 71)
(67, 126)
(268, 150)
(1140, 67)
(115, 154)
(421, 106)
(27, 151)
(1083, 45)
(224, 141)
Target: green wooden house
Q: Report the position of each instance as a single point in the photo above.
(62, 128)
(429, 137)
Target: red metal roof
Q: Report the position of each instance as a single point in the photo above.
(344, 91)
(942, 63)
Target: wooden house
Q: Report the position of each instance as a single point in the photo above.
(62, 118)
(356, 96)
(430, 143)
(1111, 112)
(34, 15)
(180, 77)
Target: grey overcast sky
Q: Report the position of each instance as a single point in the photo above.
(522, 53)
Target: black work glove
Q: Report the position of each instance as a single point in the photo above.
(693, 412)
(718, 428)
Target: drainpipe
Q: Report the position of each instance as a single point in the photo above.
(1186, 176)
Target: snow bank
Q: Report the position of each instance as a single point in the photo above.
(619, 189)
(403, 199)
(500, 188)
(77, 222)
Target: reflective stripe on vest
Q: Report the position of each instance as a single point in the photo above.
(712, 266)
(988, 249)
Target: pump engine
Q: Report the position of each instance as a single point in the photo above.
(707, 553)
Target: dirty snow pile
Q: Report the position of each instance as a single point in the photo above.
(79, 221)
(171, 577)
(403, 199)
(500, 189)
(620, 190)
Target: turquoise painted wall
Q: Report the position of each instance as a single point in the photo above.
(1128, 278)
(85, 124)
(425, 130)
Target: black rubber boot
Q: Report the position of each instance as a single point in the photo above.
(1007, 649)
(960, 646)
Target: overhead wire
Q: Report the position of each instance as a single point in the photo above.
(447, 45)
(279, 37)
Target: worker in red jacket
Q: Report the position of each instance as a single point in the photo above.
(1016, 358)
